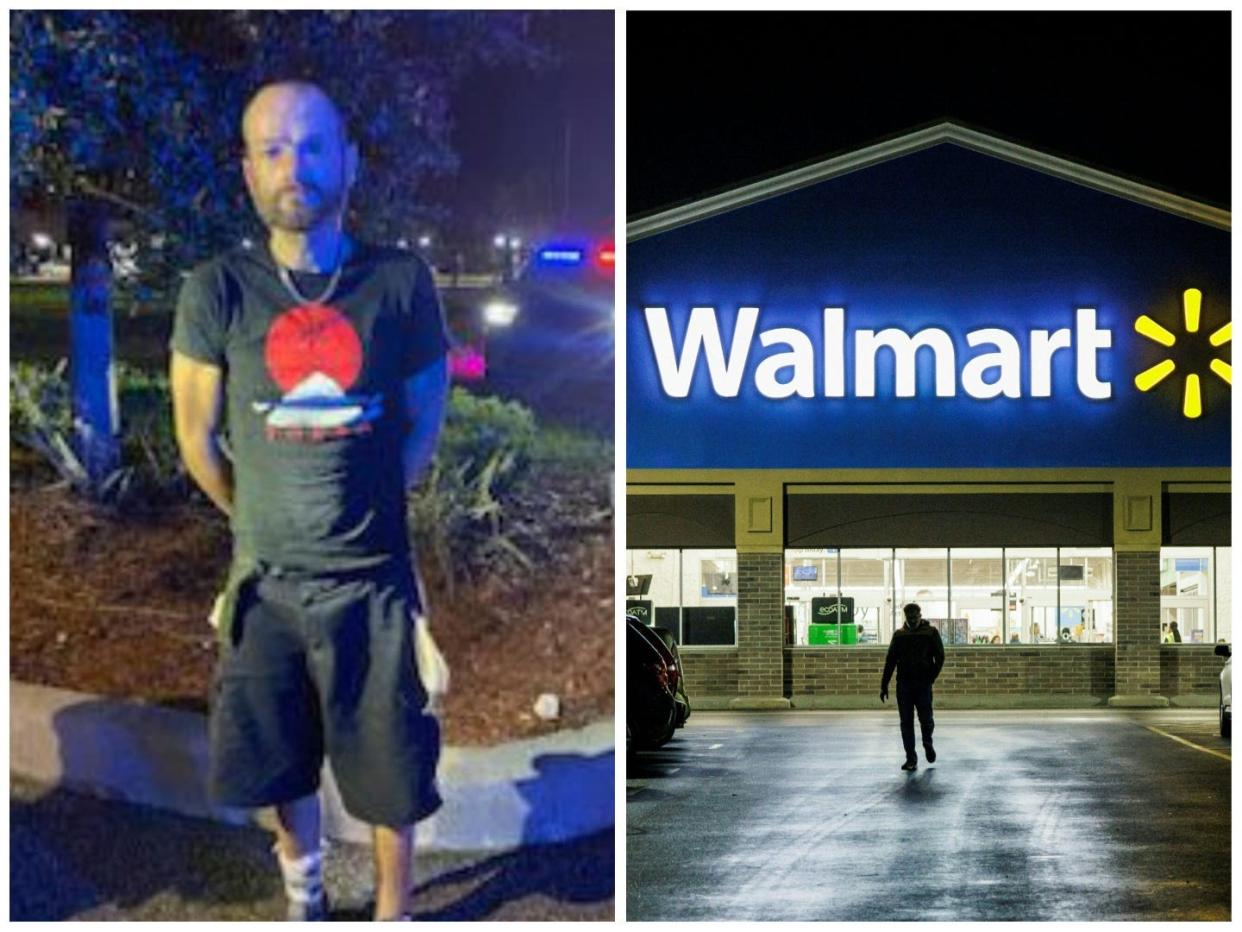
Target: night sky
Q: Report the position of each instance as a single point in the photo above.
(717, 99)
(511, 124)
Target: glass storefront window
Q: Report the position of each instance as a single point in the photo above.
(1185, 595)
(1195, 595)
(1224, 595)
(653, 587)
(867, 585)
(974, 595)
(977, 585)
(1030, 595)
(709, 597)
(692, 593)
(811, 602)
(838, 597)
(921, 575)
(1086, 598)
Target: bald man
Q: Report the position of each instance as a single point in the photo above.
(325, 359)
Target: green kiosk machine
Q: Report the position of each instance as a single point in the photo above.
(832, 621)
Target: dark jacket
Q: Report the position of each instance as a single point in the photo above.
(916, 653)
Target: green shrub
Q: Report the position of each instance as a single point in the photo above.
(501, 495)
(459, 516)
(537, 492)
(40, 419)
(477, 427)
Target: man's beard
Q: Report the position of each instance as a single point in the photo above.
(298, 215)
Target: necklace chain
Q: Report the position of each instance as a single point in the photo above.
(286, 278)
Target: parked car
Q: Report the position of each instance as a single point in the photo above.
(683, 700)
(1226, 691)
(651, 693)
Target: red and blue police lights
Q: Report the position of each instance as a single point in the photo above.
(602, 257)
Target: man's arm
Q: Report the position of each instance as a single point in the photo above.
(937, 655)
(890, 661)
(198, 404)
(426, 394)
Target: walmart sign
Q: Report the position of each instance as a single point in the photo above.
(994, 370)
(945, 309)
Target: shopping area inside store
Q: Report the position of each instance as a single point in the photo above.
(976, 596)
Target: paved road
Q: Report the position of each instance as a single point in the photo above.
(74, 857)
(1025, 815)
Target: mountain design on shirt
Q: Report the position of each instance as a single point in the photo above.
(314, 356)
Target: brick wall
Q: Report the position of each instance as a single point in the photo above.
(1077, 670)
(760, 631)
(1190, 670)
(1137, 664)
(1136, 619)
(709, 672)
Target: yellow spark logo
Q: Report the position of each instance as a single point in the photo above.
(1192, 401)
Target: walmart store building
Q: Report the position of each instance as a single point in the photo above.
(949, 370)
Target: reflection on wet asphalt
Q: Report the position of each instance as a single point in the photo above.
(1031, 815)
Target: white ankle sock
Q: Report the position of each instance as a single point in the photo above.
(303, 876)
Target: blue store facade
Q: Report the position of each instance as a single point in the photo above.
(945, 369)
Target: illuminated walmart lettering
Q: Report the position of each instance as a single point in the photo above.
(995, 371)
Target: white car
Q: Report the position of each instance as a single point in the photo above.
(1226, 691)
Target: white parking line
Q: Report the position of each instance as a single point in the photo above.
(714, 746)
(1190, 744)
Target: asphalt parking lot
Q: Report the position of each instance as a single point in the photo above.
(1026, 815)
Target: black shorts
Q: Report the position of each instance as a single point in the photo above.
(315, 665)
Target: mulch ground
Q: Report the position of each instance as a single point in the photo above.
(117, 604)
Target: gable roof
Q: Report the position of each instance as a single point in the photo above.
(908, 143)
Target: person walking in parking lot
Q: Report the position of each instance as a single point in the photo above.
(917, 654)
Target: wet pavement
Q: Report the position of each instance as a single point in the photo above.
(1026, 815)
(75, 857)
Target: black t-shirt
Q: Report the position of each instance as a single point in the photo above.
(315, 409)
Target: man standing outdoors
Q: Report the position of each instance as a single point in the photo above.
(917, 653)
(325, 358)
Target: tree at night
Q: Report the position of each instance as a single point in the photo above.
(103, 119)
(131, 120)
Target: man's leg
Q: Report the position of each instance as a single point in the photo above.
(301, 860)
(383, 747)
(393, 879)
(265, 734)
(923, 702)
(905, 709)
(297, 829)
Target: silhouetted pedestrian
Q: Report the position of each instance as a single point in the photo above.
(917, 653)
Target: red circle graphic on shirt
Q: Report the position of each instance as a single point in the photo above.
(309, 339)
